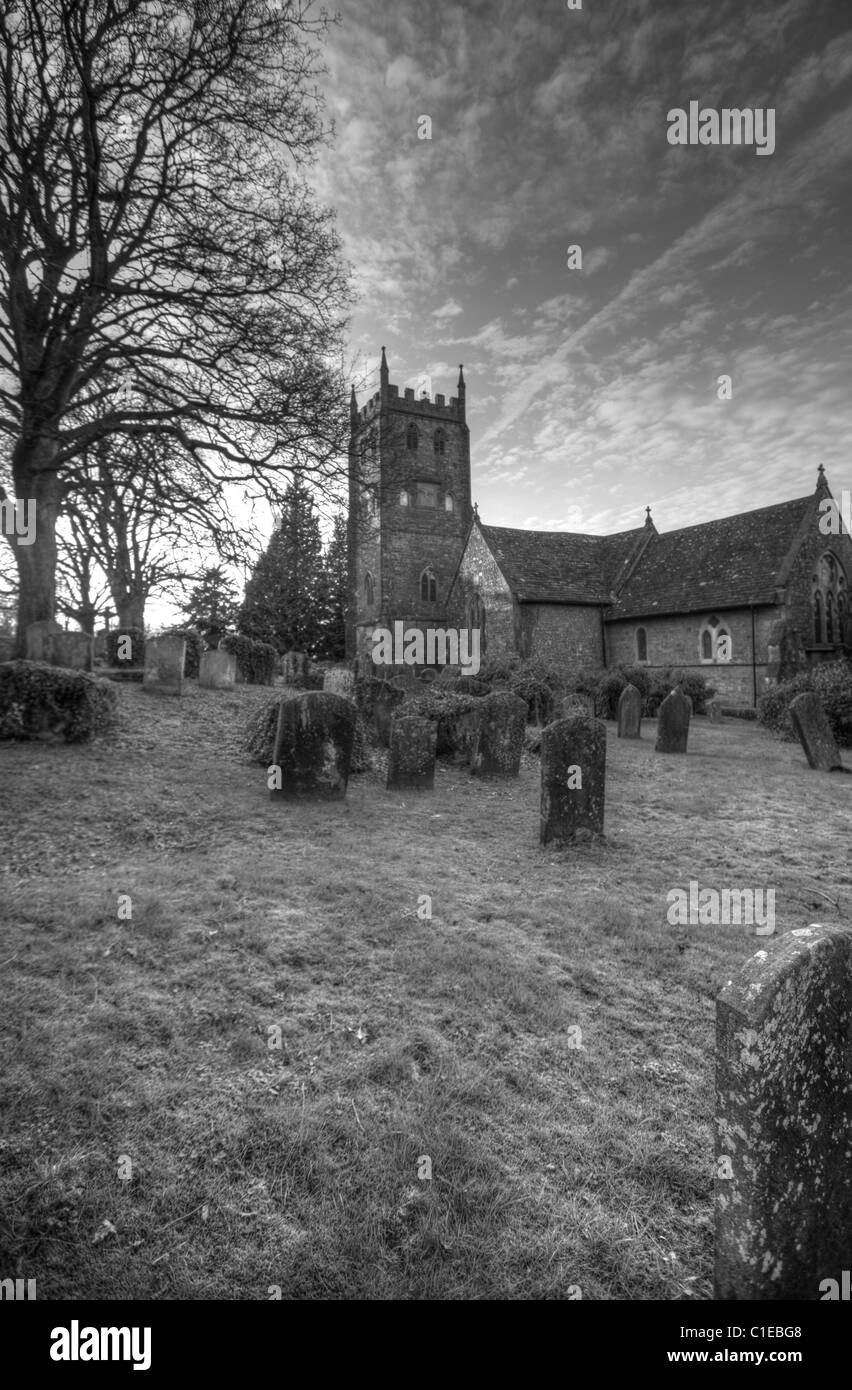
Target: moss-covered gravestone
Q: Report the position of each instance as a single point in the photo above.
(411, 764)
(577, 702)
(164, 663)
(673, 723)
(313, 746)
(573, 778)
(784, 1119)
(498, 741)
(386, 699)
(217, 670)
(814, 732)
(629, 713)
(339, 680)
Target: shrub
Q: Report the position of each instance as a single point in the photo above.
(538, 684)
(38, 700)
(256, 661)
(261, 728)
(137, 647)
(452, 712)
(194, 648)
(692, 683)
(466, 685)
(773, 708)
(832, 682)
(499, 669)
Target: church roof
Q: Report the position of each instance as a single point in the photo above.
(730, 563)
(561, 567)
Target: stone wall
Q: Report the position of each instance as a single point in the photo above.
(675, 641)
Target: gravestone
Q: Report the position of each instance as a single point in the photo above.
(811, 724)
(578, 701)
(339, 680)
(164, 662)
(40, 641)
(673, 723)
(217, 670)
(385, 701)
(714, 712)
(75, 650)
(629, 713)
(573, 777)
(783, 1080)
(498, 739)
(411, 764)
(294, 668)
(313, 745)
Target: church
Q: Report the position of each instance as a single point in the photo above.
(754, 597)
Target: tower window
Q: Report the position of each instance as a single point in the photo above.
(411, 437)
(369, 590)
(439, 441)
(428, 587)
(449, 504)
(427, 494)
(641, 644)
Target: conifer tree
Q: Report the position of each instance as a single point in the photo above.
(284, 597)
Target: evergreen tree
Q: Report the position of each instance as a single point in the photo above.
(211, 605)
(284, 597)
(332, 646)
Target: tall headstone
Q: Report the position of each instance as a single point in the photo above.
(40, 640)
(814, 731)
(629, 713)
(294, 668)
(164, 663)
(313, 746)
(75, 650)
(573, 778)
(498, 740)
(411, 764)
(386, 699)
(783, 1112)
(217, 670)
(673, 723)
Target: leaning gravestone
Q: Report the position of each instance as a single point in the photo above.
(217, 670)
(164, 662)
(573, 777)
(783, 1085)
(498, 739)
(313, 745)
(809, 720)
(40, 641)
(673, 723)
(339, 680)
(411, 764)
(629, 713)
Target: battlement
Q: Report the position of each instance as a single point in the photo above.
(422, 405)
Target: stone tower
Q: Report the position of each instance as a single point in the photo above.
(409, 508)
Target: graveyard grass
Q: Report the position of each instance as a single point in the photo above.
(554, 1167)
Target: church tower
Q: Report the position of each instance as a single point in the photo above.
(409, 508)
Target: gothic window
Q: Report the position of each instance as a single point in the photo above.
(449, 504)
(439, 441)
(428, 587)
(830, 627)
(411, 437)
(369, 591)
(715, 641)
(818, 637)
(828, 597)
(641, 644)
(427, 494)
(404, 498)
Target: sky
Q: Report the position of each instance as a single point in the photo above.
(595, 391)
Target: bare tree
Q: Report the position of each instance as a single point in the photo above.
(154, 221)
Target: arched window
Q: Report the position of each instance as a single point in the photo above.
(830, 608)
(404, 498)
(828, 597)
(449, 504)
(428, 587)
(715, 641)
(411, 437)
(369, 591)
(427, 494)
(439, 440)
(641, 644)
(818, 635)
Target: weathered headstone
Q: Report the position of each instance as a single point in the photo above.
(783, 1086)
(385, 701)
(498, 740)
(313, 745)
(811, 724)
(294, 668)
(573, 777)
(40, 641)
(339, 680)
(577, 701)
(411, 764)
(164, 663)
(75, 650)
(673, 723)
(217, 670)
(629, 713)
(714, 711)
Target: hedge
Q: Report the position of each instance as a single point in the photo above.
(194, 648)
(38, 700)
(605, 687)
(832, 681)
(136, 655)
(451, 712)
(256, 661)
(261, 728)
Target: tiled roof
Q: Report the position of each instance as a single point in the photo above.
(560, 567)
(728, 563)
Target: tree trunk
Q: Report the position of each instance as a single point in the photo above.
(36, 481)
(130, 609)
